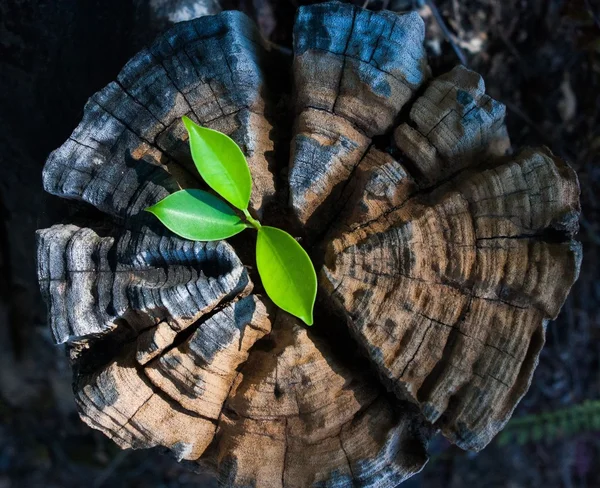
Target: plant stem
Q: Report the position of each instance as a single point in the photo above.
(253, 222)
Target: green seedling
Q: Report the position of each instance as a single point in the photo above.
(285, 269)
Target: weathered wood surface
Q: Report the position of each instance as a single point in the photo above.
(442, 256)
(354, 70)
(450, 290)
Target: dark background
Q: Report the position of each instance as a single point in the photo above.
(539, 57)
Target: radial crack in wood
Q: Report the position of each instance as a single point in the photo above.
(174, 400)
(119, 401)
(453, 125)
(198, 374)
(450, 291)
(315, 421)
(221, 66)
(131, 150)
(90, 280)
(379, 183)
(354, 70)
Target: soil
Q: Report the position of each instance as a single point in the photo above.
(539, 57)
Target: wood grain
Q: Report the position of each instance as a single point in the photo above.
(316, 420)
(450, 290)
(354, 70)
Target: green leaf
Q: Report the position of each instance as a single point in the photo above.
(221, 163)
(287, 272)
(198, 215)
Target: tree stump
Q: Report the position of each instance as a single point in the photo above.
(441, 257)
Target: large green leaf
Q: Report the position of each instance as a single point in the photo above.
(221, 163)
(287, 272)
(198, 215)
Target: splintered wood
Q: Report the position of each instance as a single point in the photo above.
(443, 255)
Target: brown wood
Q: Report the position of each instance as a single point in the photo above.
(442, 255)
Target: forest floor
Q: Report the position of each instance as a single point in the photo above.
(539, 57)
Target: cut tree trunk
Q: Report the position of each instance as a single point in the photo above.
(442, 257)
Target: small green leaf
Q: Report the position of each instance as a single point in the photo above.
(221, 163)
(198, 216)
(287, 272)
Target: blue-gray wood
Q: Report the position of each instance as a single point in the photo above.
(354, 70)
(130, 150)
(452, 126)
(91, 278)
